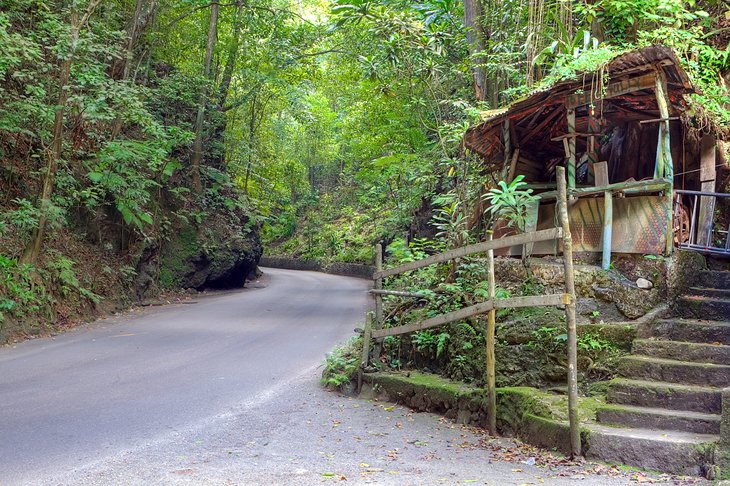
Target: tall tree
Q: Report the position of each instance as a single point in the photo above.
(475, 36)
(55, 152)
(197, 155)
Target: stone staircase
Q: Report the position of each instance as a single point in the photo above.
(669, 392)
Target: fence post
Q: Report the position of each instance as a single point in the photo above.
(491, 362)
(366, 340)
(365, 359)
(378, 286)
(575, 445)
(378, 318)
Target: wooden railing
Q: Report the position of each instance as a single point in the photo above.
(706, 233)
(619, 189)
(374, 324)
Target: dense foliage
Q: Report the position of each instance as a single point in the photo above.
(146, 143)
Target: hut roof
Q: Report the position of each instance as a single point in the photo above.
(629, 95)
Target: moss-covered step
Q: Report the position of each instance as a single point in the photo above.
(683, 351)
(531, 415)
(656, 369)
(710, 292)
(686, 330)
(702, 307)
(675, 396)
(714, 279)
(659, 418)
(673, 452)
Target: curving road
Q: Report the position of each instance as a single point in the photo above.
(69, 402)
(224, 391)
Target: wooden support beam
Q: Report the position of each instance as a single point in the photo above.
(707, 181)
(657, 120)
(617, 88)
(652, 185)
(600, 169)
(544, 123)
(506, 242)
(575, 135)
(481, 308)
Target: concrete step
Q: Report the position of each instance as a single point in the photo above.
(673, 396)
(714, 279)
(702, 307)
(686, 330)
(659, 418)
(683, 453)
(683, 351)
(710, 292)
(657, 369)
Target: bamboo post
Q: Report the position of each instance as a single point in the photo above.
(570, 145)
(575, 445)
(378, 286)
(366, 340)
(664, 166)
(378, 320)
(491, 360)
(607, 229)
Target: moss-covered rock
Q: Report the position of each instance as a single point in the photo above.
(218, 253)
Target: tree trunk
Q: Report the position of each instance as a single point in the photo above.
(475, 38)
(136, 27)
(218, 131)
(251, 133)
(33, 248)
(232, 55)
(197, 155)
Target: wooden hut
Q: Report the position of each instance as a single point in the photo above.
(641, 175)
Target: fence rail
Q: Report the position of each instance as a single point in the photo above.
(375, 332)
(480, 308)
(483, 247)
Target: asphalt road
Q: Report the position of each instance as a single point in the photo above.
(127, 381)
(224, 391)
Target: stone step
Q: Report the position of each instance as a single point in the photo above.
(686, 330)
(714, 279)
(659, 418)
(673, 396)
(657, 369)
(683, 453)
(682, 351)
(702, 307)
(710, 292)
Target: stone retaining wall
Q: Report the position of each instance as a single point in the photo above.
(336, 268)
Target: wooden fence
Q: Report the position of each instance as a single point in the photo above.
(374, 324)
